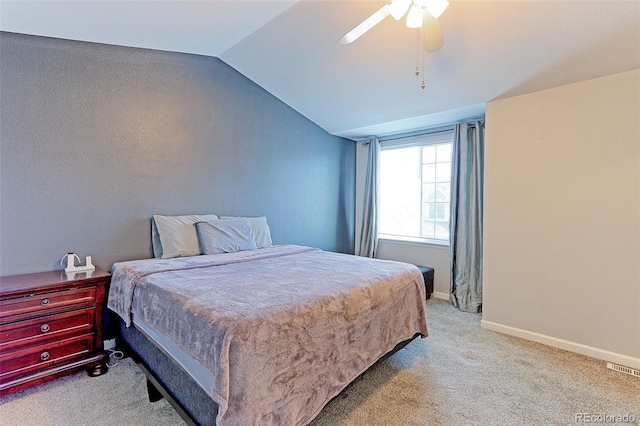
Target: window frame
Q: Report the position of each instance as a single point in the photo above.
(401, 142)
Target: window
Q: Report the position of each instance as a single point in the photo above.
(415, 188)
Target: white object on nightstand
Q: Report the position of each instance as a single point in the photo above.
(72, 268)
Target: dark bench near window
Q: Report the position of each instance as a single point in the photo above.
(427, 273)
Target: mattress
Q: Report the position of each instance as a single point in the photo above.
(198, 373)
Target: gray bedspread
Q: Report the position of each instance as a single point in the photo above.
(282, 329)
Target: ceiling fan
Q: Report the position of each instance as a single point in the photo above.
(422, 14)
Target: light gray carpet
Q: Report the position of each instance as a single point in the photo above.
(459, 375)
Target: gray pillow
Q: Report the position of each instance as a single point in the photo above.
(178, 234)
(225, 236)
(155, 240)
(260, 229)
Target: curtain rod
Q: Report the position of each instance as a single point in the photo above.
(424, 132)
(444, 129)
(410, 135)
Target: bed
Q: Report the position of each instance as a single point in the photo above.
(264, 336)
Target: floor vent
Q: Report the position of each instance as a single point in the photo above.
(626, 370)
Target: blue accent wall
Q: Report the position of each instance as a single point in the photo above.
(95, 139)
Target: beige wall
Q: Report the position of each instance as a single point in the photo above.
(562, 217)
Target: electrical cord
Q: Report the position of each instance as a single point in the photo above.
(114, 357)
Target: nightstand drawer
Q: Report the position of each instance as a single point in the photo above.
(16, 335)
(24, 361)
(40, 304)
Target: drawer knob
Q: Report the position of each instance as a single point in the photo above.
(44, 356)
(44, 328)
(44, 302)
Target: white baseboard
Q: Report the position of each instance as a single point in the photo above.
(439, 295)
(616, 358)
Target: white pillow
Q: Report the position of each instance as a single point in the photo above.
(260, 229)
(178, 235)
(225, 236)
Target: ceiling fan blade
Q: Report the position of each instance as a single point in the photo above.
(365, 25)
(431, 33)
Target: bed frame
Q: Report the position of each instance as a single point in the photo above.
(166, 379)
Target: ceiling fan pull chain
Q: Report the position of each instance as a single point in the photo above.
(423, 55)
(417, 51)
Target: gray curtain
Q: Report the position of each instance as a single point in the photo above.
(467, 195)
(369, 231)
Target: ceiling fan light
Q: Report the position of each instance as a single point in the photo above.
(398, 8)
(437, 7)
(414, 18)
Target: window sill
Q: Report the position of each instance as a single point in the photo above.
(414, 241)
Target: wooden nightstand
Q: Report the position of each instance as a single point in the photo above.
(50, 326)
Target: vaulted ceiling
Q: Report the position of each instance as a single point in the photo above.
(492, 49)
